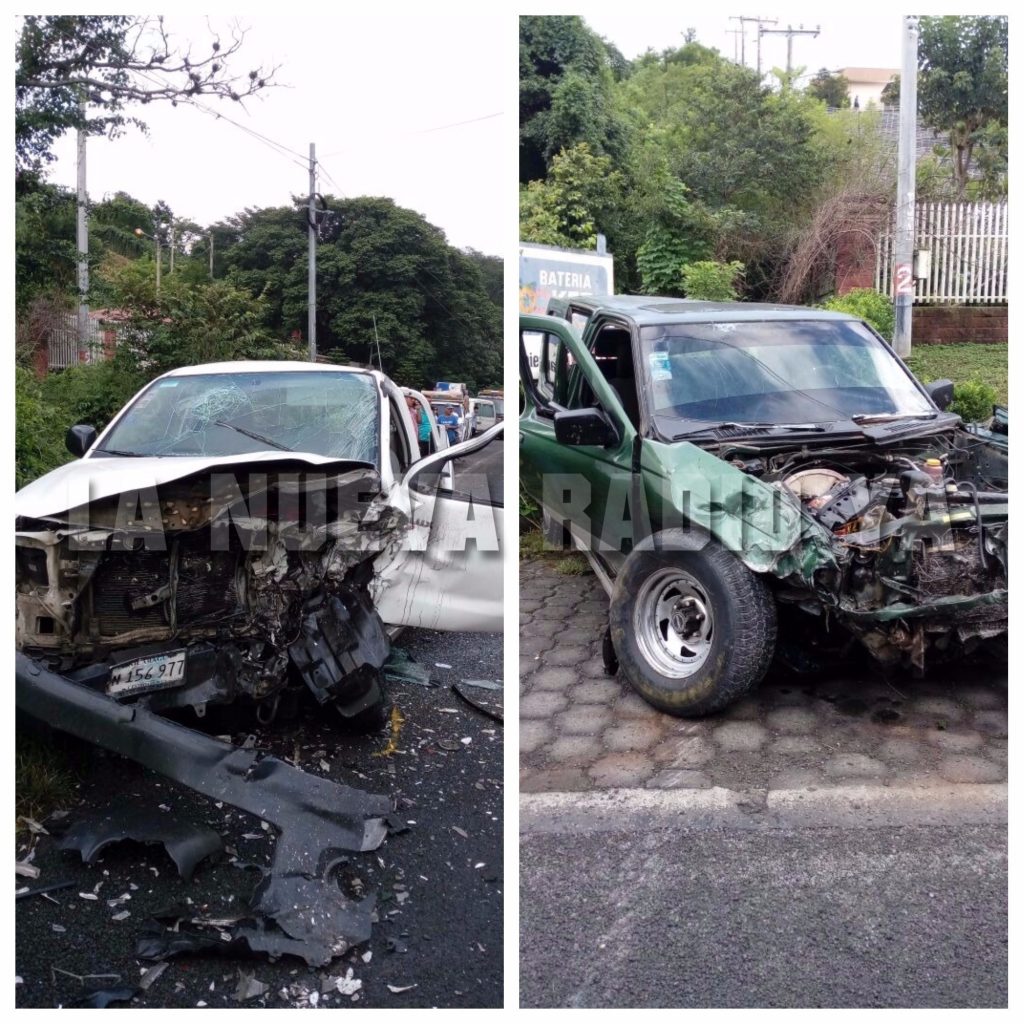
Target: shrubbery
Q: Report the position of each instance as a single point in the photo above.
(973, 400)
(712, 281)
(46, 407)
(869, 305)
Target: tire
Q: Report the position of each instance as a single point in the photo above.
(724, 618)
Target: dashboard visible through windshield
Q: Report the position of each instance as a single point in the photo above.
(817, 372)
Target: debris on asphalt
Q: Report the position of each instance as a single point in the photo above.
(401, 668)
(26, 870)
(186, 843)
(483, 684)
(32, 825)
(397, 720)
(400, 988)
(150, 975)
(495, 713)
(349, 984)
(24, 894)
(248, 987)
(83, 978)
(102, 998)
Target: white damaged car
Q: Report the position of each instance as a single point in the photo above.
(244, 528)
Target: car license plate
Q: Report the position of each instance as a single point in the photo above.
(152, 673)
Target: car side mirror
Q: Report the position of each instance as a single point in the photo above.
(941, 393)
(79, 439)
(585, 427)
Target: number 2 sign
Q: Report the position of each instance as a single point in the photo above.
(903, 279)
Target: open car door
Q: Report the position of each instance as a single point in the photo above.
(445, 569)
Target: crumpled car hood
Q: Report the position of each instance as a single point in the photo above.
(84, 480)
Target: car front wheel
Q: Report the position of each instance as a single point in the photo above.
(693, 628)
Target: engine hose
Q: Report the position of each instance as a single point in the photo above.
(977, 512)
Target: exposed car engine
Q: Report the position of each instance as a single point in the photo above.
(919, 529)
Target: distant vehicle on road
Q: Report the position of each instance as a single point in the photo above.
(483, 414)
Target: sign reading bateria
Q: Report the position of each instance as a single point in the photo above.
(546, 272)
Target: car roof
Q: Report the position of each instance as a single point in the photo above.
(267, 366)
(654, 309)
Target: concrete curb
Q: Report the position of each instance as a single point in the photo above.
(856, 806)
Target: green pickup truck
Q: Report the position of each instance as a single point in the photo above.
(741, 474)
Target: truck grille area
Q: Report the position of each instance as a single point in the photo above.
(132, 590)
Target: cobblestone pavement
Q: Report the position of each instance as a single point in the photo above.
(581, 730)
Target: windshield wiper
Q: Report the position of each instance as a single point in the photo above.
(253, 435)
(124, 455)
(814, 428)
(887, 417)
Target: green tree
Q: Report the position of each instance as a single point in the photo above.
(962, 90)
(577, 201)
(44, 244)
(113, 62)
(832, 90)
(566, 77)
(385, 276)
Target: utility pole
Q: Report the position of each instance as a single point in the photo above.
(758, 21)
(156, 238)
(312, 252)
(211, 255)
(741, 32)
(789, 32)
(903, 274)
(82, 238)
(172, 245)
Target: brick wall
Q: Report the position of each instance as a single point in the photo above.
(947, 325)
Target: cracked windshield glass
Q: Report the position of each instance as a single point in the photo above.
(323, 413)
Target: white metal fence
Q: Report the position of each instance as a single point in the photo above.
(967, 242)
(64, 348)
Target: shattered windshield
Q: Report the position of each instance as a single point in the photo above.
(819, 371)
(322, 413)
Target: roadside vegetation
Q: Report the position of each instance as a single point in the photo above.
(392, 291)
(685, 159)
(980, 374)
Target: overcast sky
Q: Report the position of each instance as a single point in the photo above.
(374, 94)
(862, 38)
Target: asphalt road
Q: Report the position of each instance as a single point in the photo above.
(439, 886)
(830, 840)
(824, 917)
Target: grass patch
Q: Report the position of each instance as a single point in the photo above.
(568, 563)
(961, 363)
(572, 565)
(531, 545)
(44, 778)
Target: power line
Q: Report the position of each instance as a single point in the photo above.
(438, 128)
(278, 147)
(458, 124)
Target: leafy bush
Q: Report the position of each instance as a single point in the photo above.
(44, 409)
(38, 438)
(712, 281)
(869, 305)
(973, 400)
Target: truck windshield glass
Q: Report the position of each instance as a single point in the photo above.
(320, 413)
(773, 371)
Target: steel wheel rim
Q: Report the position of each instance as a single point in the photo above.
(674, 623)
